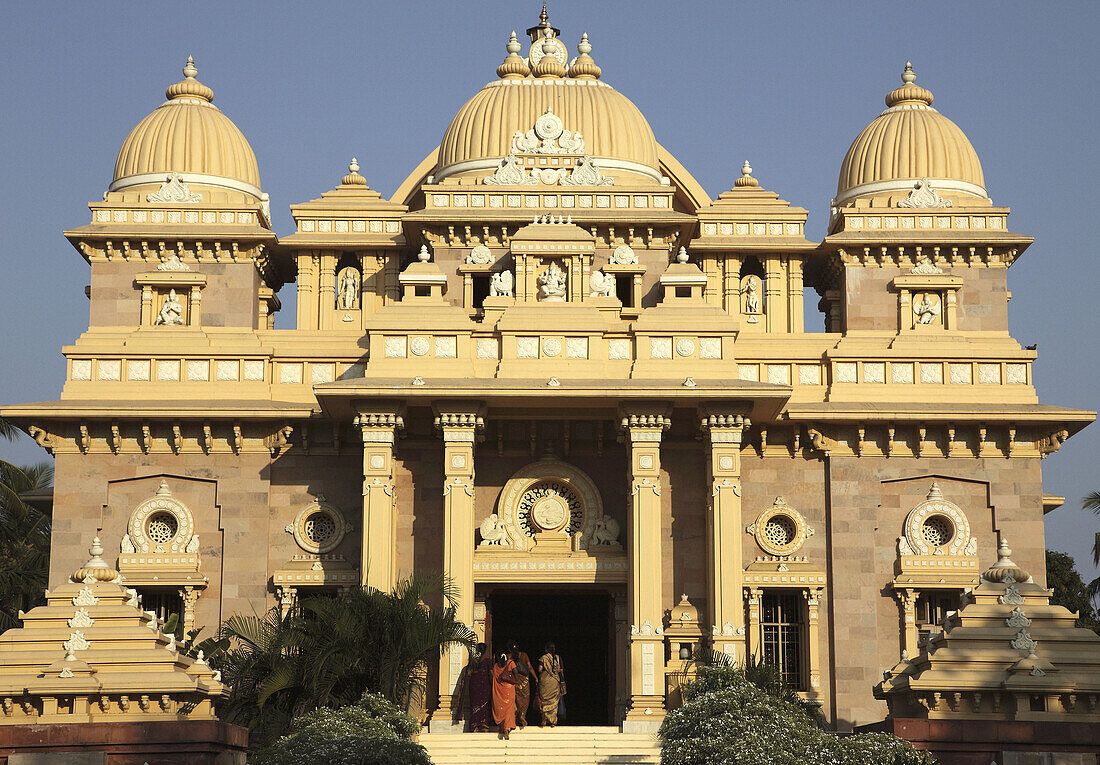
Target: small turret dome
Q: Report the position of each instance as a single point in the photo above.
(908, 142)
(190, 136)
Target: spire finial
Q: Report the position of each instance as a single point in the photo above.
(585, 47)
(746, 178)
(162, 490)
(543, 17)
(424, 256)
(513, 67)
(513, 44)
(682, 255)
(353, 178)
(934, 492)
(908, 76)
(189, 69)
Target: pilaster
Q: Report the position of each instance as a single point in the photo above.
(643, 427)
(907, 600)
(379, 422)
(461, 425)
(756, 634)
(723, 425)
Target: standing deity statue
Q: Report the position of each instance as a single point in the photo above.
(552, 283)
(927, 310)
(171, 312)
(603, 285)
(500, 284)
(348, 295)
(751, 290)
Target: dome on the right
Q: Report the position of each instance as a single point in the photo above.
(908, 143)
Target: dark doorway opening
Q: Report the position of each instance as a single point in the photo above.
(579, 624)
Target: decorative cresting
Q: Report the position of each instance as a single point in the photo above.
(571, 166)
(616, 135)
(92, 655)
(549, 496)
(780, 530)
(319, 527)
(937, 527)
(186, 140)
(1007, 654)
(910, 143)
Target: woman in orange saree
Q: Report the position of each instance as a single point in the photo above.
(504, 694)
(525, 680)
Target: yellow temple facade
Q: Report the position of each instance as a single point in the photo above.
(554, 368)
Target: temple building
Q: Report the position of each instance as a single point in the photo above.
(554, 368)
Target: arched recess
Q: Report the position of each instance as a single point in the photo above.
(548, 479)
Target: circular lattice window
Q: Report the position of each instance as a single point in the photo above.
(162, 528)
(318, 528)
(937, 530)
(780, 530)
(550, 506)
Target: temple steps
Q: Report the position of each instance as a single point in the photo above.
(580, 745)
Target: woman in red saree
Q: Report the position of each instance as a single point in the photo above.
(504, 694)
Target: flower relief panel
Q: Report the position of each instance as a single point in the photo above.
(159, 555)
(937, 562)
(549, 523)
(317, 529)
(550, 155)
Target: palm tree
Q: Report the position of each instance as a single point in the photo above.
(329, 651)
(1092, 502)
(24, 536)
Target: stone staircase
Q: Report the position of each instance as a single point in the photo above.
(564, 745)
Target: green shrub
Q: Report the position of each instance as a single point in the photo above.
(369, 732)
(727, 720)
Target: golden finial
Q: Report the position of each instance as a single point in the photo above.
(543, 17)
(909, 90)
(746, 180)
(583, 67)
(353, 178)
(189, 87)
(513, 67)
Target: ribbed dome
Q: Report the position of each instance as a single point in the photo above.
(908, 142)
(188, 135)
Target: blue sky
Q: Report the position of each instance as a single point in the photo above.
(785, 85)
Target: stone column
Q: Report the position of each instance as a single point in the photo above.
(327, 291)
(907, 599)
(775, 307)
(723, 425)
(460, 424)
(756, 634)
(795, 310)
(189, 596)
(813, 602)
(642, 427)
(307, 296)
(379, 422)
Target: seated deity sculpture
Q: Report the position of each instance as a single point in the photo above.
(624, 255)
(603, 285)
(927, 310)
(171, 312)
(552, 284)
(500, 284)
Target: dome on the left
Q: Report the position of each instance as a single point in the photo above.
(190, 136)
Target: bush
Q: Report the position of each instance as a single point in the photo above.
(726, 720)
(370, 732)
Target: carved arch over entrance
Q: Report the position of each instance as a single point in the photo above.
(548, 495)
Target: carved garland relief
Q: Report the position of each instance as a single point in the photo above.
(548, 137)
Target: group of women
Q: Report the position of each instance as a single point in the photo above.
(507, 686)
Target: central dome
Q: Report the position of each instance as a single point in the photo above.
(615, 135)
